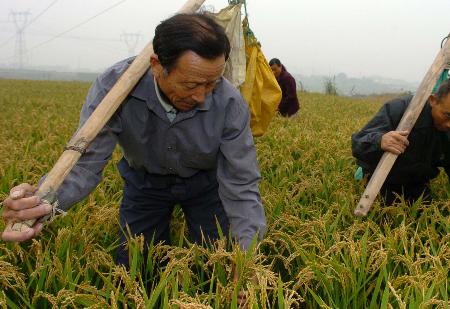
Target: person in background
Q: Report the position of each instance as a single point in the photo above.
(420, 152)
(289, 104)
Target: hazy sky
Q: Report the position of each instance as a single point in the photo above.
(389, 38)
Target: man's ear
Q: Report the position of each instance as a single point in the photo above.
(433, 100)
(155, 65)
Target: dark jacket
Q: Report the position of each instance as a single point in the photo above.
(428, 148)
(289, 102)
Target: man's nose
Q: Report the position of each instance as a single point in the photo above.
(447, 126)
(199, 94)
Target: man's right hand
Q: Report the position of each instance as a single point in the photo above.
(395, 142)
(23, 205)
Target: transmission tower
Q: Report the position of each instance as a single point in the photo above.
(131, 40)
(20, 20)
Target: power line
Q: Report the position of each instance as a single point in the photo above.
(76, 37)
(103, 47)
(41, 13)
(85, 38)
(7, 40)
(31, 21)
(74, 27)
(78, 25)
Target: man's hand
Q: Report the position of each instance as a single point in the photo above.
(23, 205)
(395, 142)
(242, 300)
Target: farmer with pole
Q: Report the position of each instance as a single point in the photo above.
(185, 136)
(420, 153)
(405, 125)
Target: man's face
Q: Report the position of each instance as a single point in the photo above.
(190, 80)
(440, 111)
(276, 69)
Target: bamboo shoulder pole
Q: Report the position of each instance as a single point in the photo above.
(98, 119)
(406, 124)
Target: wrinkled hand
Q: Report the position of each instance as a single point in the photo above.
(242, 300)
(395, 142)
(22, 205)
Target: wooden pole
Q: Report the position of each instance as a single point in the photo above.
(406, 124)
(98, 119)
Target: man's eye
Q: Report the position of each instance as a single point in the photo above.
(190, 86)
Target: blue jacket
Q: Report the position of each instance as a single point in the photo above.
(428, 148)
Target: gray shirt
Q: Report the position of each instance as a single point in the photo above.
(215, 135)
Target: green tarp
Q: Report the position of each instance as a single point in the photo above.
(443, 77)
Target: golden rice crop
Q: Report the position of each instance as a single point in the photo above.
(315, 253)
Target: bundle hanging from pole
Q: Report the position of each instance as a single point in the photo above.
(248, 33)
(444, 39)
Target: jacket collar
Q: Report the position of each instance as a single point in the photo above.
(425, 119)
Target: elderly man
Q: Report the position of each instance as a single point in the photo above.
(426, 148)
(185, 137)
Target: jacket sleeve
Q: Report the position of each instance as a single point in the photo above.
(238, 176)
(446, 153)
(289, 92)
(291, 89)
(87, 173)
(447, 171)
(366, 144)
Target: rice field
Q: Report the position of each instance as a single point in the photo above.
(315, 254)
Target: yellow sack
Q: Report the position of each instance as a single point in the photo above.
(260, 89)
(249, 71)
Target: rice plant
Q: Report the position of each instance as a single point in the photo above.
(315, 252)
